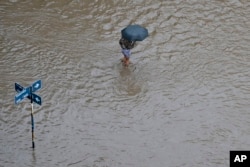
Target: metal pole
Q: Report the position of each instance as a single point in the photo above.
(32, 126)
(32, 119)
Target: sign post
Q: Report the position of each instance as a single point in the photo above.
(29, 93)
(32, 119)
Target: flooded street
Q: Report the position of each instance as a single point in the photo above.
(184, 101)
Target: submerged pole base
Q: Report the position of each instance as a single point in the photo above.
(33, 144)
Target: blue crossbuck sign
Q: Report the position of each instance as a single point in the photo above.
(28, 92)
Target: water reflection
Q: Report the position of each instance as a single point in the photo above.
(127, 82)
(33, 158)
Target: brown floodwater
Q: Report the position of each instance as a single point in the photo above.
(184, 101)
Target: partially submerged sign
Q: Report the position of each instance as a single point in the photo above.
(28, 92)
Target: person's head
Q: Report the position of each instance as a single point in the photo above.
(126, 44)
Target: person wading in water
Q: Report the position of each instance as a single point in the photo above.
(126, 50)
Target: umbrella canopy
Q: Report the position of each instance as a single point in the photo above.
(134, 33)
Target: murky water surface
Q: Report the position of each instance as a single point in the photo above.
(183, 102)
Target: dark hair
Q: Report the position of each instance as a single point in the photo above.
(126, 44)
